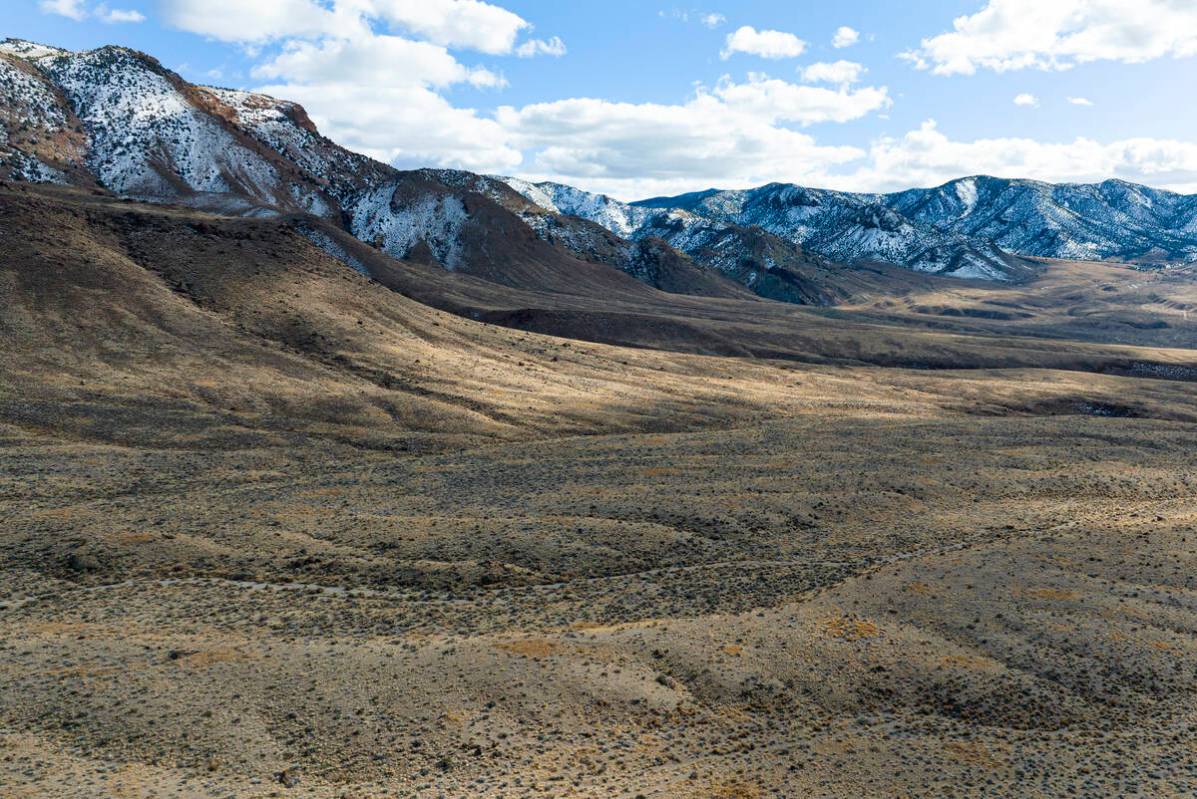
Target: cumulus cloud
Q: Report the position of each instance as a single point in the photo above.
(840, 72)
(379, 95)
(373, 73)
(71, 9)
(78, 11)
(630, 149)
(1058, 34)
(469, 24)
(765, 44)
(115, 16)
(845, 37)
(238, 21)
(771, 100)
(533, 47)
(409, 126)
(1080, 101)
(459, 24)
(712, 20)
(1025, 100)
(927, 157)
(635, 151)
(729, 134)
(381, 61)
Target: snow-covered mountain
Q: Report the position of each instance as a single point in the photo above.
(853, 228)
(1110, 220)
(772, 266)
(972, 227)
(1114, 220)
(835, 225)
(116, 119)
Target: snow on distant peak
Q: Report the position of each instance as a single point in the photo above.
(620, 218)
(533, 192)
(30, 50)
(966, 190)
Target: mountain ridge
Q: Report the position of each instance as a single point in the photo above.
(965, 227)
(116, 118)
(1117, 219)
(144, 133)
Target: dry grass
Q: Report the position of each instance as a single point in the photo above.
(262, 514)
(850, 629)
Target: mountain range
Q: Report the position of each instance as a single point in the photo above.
(116, 120)
(971, 227)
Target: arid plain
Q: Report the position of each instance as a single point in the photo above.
(269, 527)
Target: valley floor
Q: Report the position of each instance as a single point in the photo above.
(271, 529)
(806, 607)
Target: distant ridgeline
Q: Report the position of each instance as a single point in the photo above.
(117, 120)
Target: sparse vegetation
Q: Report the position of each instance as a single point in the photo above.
(273, 529)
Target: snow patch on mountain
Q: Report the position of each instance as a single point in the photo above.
(397, 227)
(29, 102)
(31, 51)
(535, 193)
(147, 139)
(966, 190)
(23, 166)
(274, 123)
(618, 217)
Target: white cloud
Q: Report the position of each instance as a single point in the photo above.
(1058, 34)
(261, 20)
(466, 24)
(453, 23)
(771, 100)
(927, 157)
(1080, 101)
(533, 47)
(409, 126)
(114, 16)
(71, 9)
(76, 10)
(839, 72)
(634, 151)
(381, 61)
(712, 20)
(732, 134)
(845, 37)
(766, 44)
(380, 93)
(1025, 100)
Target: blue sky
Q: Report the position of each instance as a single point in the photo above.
(638, 97)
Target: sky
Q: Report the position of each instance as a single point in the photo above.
(636, 98)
